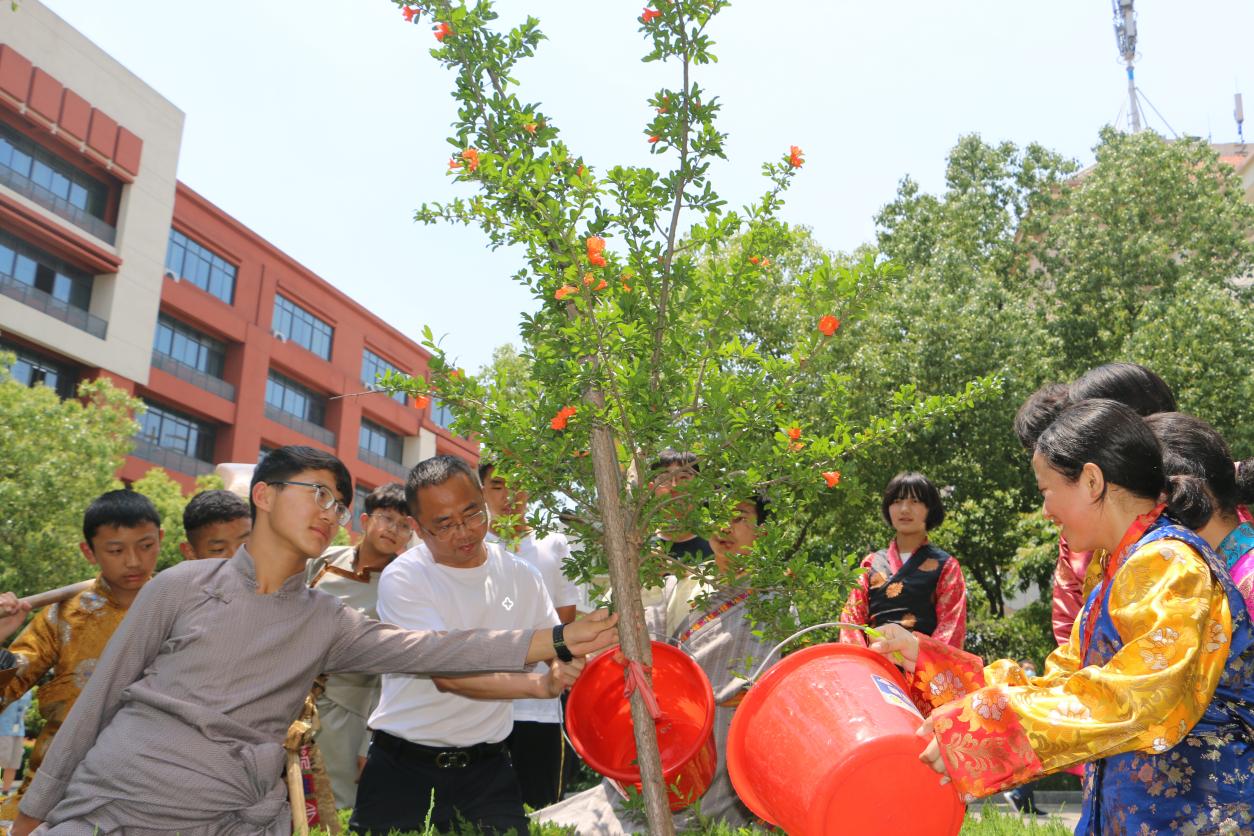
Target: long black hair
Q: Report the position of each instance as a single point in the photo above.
(1199, 464)
(1111, 436)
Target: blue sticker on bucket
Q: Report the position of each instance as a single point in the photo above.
(893, 695)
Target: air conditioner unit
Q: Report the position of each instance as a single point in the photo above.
(280, 336)
(171, 275)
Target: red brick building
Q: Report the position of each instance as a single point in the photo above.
(111, 267)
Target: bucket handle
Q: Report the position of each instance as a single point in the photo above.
(870, 631)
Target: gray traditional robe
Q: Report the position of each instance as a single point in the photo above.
(181, 727)
(725, 648)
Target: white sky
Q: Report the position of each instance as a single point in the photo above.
(321, 124)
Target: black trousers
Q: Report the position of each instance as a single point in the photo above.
(542, 760)
(396, 790)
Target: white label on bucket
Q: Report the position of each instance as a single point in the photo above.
(893, 695)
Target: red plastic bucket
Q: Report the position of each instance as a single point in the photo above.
(825, 744)
(598, 721)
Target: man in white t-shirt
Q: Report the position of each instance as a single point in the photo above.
(439, 742)
(541, 757)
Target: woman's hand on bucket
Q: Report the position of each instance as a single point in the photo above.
(896, 639)
(931, 754)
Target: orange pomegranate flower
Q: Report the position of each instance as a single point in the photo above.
(587, 279)
(796, 157)
(564, 291)
(409, 12)
(530, 127)
(421, 402)
(650, 15)
(443, 31)
(601, 285)
(794, 433)
(471, 157)
(832, 477)
(558, 422)
(596, 251)
(828, 325)
(653, 140)
(753, 259)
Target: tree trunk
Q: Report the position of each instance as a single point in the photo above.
(632, 630)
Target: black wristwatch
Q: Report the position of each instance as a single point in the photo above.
(559, 644)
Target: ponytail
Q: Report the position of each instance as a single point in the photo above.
(1188, 501)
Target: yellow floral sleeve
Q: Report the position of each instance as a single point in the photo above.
(36, 649)
(998, 728)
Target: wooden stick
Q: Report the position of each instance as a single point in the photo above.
(56, 596)
(296, 795)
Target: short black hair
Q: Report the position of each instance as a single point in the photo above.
(486, 466)
(762, 505)
(671, 457)
(1198, 464)
(1110, 435)
(285, 462)
(210, 507)
(913, 485)
(1131, 384)
(1039, 411)
(435, 471)
(390, 496)
(122, 508)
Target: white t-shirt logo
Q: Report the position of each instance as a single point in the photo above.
(508, 604)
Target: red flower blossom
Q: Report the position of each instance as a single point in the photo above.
(650, 15)
(828, 325)
(564, 291)
(454, 163)
(596, 251)
(421, 402)
(409, 12)
(766, 262)
(832, 477)
(442, 31)
(455, 373)
(601, 285)
(563, 415)
(753, 259)
(530, 127)
(587, 279)
(796, 157)
(471, 157)
(794, 433)
(653, 140)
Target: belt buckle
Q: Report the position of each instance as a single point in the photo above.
(452, 760)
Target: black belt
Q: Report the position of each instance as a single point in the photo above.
(444, 757)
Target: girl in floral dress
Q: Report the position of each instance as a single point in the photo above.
(1155, 690)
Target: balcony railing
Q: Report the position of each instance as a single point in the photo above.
(383, 463)
(309, 428)
(49, 304)
(193, 375)
(57, 205)
(170, 459)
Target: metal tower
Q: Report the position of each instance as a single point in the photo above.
(1125, 38)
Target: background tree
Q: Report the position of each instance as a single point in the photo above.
(55, 457)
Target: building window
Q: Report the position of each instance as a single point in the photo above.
(23, 263)
(286, 395)
(31, 369)
(201, 266)
(301, 327)
(54, 184)
(373, 367)
(172, 430)
(383, 443)
(441, 414)
(190, 347)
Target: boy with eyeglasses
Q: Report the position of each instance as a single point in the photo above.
(351, 573)
(181, 726)
(440, 737)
